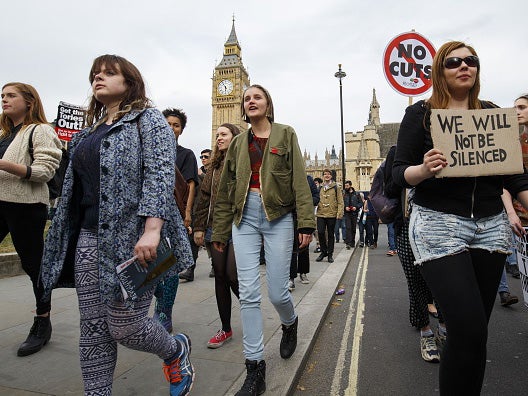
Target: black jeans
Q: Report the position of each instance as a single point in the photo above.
(371, 229)
(26, 224)
(350, 224)
(300, 262)
(465, 286)
(326, 224)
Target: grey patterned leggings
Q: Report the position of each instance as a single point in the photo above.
(105, 325)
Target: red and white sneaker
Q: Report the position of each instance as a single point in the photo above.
(219, 339)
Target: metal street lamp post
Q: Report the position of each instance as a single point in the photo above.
(340, 74)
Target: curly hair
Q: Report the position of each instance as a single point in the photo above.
(178, 113)
(134, 98)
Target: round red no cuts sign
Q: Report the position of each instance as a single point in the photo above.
(407, 63)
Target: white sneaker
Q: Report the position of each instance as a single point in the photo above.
(291, 285)
(304, 279)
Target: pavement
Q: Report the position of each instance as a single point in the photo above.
(55, 369)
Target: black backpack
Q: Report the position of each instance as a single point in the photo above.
(55, 183)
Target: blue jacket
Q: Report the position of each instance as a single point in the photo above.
(137, 181)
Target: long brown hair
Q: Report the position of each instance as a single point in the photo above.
(440, 96)
(134, 98)
(35, 112)
(218, 155)
(269, 110)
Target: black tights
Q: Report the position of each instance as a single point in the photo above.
(226, 280)
(26, 224)
(465, 286)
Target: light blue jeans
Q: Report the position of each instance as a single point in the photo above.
(503, 285)
(278, 245)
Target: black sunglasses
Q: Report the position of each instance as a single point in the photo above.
(204, 156)
(454, 62)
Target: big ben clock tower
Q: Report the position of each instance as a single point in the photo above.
(230, 78)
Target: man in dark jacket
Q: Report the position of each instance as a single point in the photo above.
(352, 202)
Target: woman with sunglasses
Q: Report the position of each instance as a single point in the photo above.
(459, 232)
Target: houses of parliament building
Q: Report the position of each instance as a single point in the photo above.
(364, 150)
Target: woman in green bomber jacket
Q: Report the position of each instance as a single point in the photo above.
(262, 183)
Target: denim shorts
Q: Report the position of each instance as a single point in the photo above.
(436, 234)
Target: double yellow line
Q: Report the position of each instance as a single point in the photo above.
(356, 311)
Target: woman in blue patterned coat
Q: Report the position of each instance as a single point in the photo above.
(117, 202)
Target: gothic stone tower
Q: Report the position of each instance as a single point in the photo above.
(230, 78)
(363, 150)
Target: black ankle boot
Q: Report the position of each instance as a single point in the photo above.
(255, 383)
(39, 335)
(321, 257)
(289, 339)
(188, 274)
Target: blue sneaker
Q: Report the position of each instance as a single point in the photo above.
(179, 371)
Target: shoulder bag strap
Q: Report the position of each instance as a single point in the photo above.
(255, 144)
(30, 143)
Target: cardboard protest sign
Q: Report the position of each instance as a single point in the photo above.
(522, 261)
(477, 142)
(70, 120)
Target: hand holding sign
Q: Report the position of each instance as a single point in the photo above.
(477, 142)
(434, 162)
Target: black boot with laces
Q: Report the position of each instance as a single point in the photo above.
(255, 380)
(289, 339)
(39, 335)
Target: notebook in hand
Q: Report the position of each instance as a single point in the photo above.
(135, 280)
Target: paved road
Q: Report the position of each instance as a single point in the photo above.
(55, 370)
(367, 347)
(365, 342)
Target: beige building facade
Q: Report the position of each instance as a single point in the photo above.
(331, 160)
(365, 151)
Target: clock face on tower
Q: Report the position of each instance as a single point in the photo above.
(225, 87)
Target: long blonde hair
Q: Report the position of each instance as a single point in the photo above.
(35, 112)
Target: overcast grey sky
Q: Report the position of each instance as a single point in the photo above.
(291, 47)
